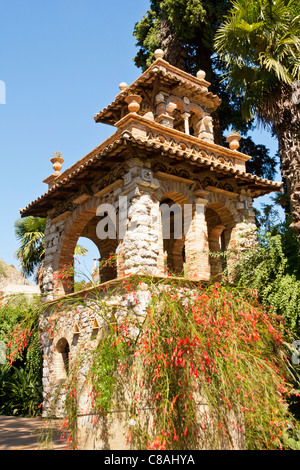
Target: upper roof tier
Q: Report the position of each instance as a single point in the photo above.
(165, 113)
(158, 78)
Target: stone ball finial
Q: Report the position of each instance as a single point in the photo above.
(57, 161)
(123, 86)
(234, 140)
(201, 74)
(159, 54)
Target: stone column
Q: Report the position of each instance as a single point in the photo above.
(196, 245)
(140, 248)
(164, 111)
(185, 117)
(215, 247)
(47, 277)
(204, 129)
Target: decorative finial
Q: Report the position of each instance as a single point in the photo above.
(123, 86)
(133, 102)
(159, 54)
(201, 74)
(57, 162)
(234, 140)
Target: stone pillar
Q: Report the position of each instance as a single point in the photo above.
(48, 281)
(204, 129)
(108, 268)
(196, 245)
(164, 112)
(185, 117)
(140, 247)
(215, 247)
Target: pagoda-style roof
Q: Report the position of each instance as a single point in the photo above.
(100, 159)
(161, 76)
(146, 128)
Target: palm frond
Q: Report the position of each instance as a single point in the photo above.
(80, 250)
(30, 232)
(259, 43)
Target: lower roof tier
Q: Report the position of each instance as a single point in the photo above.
(106, 165)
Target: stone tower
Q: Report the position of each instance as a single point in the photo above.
(162, 153)
(159, 192)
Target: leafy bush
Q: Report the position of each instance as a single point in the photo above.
(272, 269)
(21, 375)
(20, 391)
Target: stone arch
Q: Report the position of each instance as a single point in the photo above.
(178, 122)
(196, 115)
(197, 110)
(220, 200)
(175, 190)
(83, 223)
(174, 197)
(179, 103)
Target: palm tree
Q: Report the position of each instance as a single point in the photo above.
(259, 42)
(30, 232)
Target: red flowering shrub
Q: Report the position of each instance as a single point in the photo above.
(203, 368)
(210, 364)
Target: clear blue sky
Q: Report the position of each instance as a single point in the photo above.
(62, 61)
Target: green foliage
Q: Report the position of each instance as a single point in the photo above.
(11, 313)
(2, 269)
(20, 392)
(261, 163)
(272, 269)
(185, 15)
(260, 43)
(80, 250)
(30, 233)
(191, 22)
(148, 32)
(185, 29)
(106, 361)
(21, 375)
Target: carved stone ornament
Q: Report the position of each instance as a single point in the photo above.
(133, 102)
